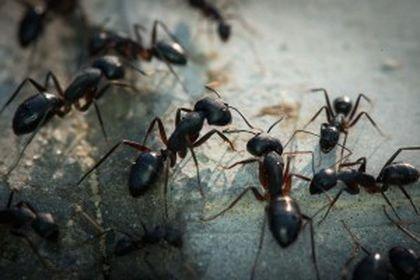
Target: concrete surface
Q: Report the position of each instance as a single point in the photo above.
(345, 46)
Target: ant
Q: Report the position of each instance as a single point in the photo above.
(103, 41)
(403, 263)
(22, 217)
(149, 165)
(33, 113)
(210, 11)
(284, 216)
(392, 173)
(339, 120)
(159, 235)
(35, 17)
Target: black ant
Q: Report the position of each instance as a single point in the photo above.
(339, 120)
(103, 41)
(33, 113)
(210, 11)
(392, 173)
(284, 216)
(149, 165)
(403, 263)
(35, 17)
(22, 218)
(128, 243)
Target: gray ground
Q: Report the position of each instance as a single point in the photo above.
(291, 46)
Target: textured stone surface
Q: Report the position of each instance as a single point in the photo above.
(345, 46)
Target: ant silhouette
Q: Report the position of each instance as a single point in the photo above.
(37, 110)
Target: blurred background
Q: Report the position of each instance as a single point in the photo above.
(277, 52)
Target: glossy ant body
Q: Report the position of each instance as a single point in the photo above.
(285, 219)
(171, 53)
(210, 11)
(35, 17)
(33, 113)
(22, 218)
(403, 263)
(339, 120)
(392, 173)
(149, 165)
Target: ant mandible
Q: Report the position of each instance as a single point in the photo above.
(22, 217)
(148, 166)
(210, 11)
(284, 216)
(392, 173)
(32, 24)
(339, 120)
(403, 262)
(33, 113)
(103, 41)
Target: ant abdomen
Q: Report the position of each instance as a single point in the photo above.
(144, 173)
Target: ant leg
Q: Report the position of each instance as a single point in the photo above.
(346, 134)
(165, 191)
(331, 205)
(254, 190)
(354, 238)
(37, 86)
(101, 122)
(361, 95)
(9, 201)
(197, 168)
(390, 204)
(391, 159)
(304, 152)
(317, 114)
(137, 32)
(260, 245)
(327, 99)
(178, 114)
(354, 253)
(408, 197)
(167, 31)
(242, 162)
(206, 136)
(108, 85)
(79, 210)
(25, 146)
(51, 75)
(129, 143)
(309, 220)
(361, 162)
(369, 118)
(162, 132)
(403, 229)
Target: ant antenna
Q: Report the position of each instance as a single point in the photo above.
(141, 71)
(213, 90)
(354, 237)
(274, 124)
(240, 131)
(242, 116)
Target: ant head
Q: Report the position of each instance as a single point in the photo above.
(329, 137)
(173, 237)
(404, 261)
(172, 53)
(263, 143)
(215, 110)
(98, 41)
(110, 66)
(224, 29)
(343, 105)
(322, 181)
(34, 110)
(31, 26)
(45, 226)
(125, 246)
